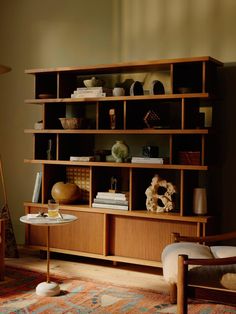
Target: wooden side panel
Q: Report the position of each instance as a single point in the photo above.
(144, 238)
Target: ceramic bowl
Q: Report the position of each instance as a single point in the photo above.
(71, 123)
(93, 82)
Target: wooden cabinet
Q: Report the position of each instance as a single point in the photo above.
(182, 137)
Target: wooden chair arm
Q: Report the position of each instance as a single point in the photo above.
(210, 261)
(183, 287)
(176, 237)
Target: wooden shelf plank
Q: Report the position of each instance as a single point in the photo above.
(135, 66)
(116, 98)
(117, 131)
(116, 164)
(130, 213)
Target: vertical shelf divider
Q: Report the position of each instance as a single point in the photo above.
(171, 148)
(105, 234)
(125, 114)
(91, 187)
(130, 188)
(58, 85)
(43, 185)
(57, 147)
(203, 150)
(182, 114)
(44, 115)
(181, 192)
(204, 77)
(172, 78)
(97, 115)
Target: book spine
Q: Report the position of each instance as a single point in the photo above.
(84, 95)
(111, 206)
(117, 198)
(147, 160)
(89, 89)
(37, 187)
(110, 201)
(112, 195)
(82, 158)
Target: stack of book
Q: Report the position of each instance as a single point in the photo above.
(37, 187)
(84, 92)
(82, 158)
(111, 200)
(147, 160)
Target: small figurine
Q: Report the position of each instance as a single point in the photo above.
(159, 195)
(112, 115)
(151, 119)
(113, 184)
(49, 150)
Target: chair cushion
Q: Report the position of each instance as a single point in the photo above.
(170, 254)
(229, 281)
(223, 251)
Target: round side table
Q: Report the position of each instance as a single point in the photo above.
(47, 288)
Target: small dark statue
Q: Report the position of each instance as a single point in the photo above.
(113, 183)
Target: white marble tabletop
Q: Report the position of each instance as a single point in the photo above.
(35, 219)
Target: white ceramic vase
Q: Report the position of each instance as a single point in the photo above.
(118, 91)
(199, 201)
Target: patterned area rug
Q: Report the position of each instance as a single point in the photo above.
(17, 295)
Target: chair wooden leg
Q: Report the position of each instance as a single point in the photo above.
(173, 293)
(182, 298)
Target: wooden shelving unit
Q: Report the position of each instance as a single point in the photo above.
(137, 235)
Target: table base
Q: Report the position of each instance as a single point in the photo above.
(47, 289)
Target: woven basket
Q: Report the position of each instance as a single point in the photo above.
(189, 158)
(81, 177)
(71, 123)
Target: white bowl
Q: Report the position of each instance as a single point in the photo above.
(90, 83)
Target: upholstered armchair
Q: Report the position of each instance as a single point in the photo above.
(195, 268)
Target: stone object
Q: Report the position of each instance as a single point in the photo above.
(159, 195)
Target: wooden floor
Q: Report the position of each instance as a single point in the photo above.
(79, 267)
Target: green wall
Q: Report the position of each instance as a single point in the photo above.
(40, 33)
